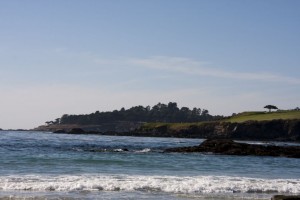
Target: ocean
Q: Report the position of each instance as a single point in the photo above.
(39, 165)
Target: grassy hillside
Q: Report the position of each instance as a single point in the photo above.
(239, 118)
(262, 116)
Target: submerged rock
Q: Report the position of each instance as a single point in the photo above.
(229, 147)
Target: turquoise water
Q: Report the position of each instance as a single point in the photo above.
(37, 165)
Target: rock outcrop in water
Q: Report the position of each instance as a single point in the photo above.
(284, 197)
(229, 147)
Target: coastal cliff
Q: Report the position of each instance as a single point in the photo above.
(283, 130)
(277, 130)
(169, 121)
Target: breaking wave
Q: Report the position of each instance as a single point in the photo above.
(170, 184)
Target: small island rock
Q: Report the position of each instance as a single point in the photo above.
(229, 147)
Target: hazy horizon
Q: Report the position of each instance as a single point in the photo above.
(77, 57)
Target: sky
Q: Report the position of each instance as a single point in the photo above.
(77, 57)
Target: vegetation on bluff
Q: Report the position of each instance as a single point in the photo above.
(236, 118)
(271, 107)
(263, 116)
(167, 113)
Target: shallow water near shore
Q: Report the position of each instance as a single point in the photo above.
(37, 165)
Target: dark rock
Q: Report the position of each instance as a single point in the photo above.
(284, 197)
(229, 147)
(76, 131)
(118, 126)
(59, 131)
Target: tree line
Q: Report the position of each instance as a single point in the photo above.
(158, 113)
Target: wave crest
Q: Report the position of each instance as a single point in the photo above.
(170, 184)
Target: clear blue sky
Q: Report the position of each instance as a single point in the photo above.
(77, 57)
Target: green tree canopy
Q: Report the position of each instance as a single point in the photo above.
(158, 113)
(270, 107)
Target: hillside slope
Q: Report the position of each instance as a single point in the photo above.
(264, 116)
(246, 126)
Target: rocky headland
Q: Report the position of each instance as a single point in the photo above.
(112, 127)
(272, 130)
(276, 130)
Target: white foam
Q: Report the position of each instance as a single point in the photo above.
(118, 150)
(144, 150)
(172, 184)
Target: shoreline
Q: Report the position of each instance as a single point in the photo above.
(273, 130)
(135, 134)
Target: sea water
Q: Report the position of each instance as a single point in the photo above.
(39, 165)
